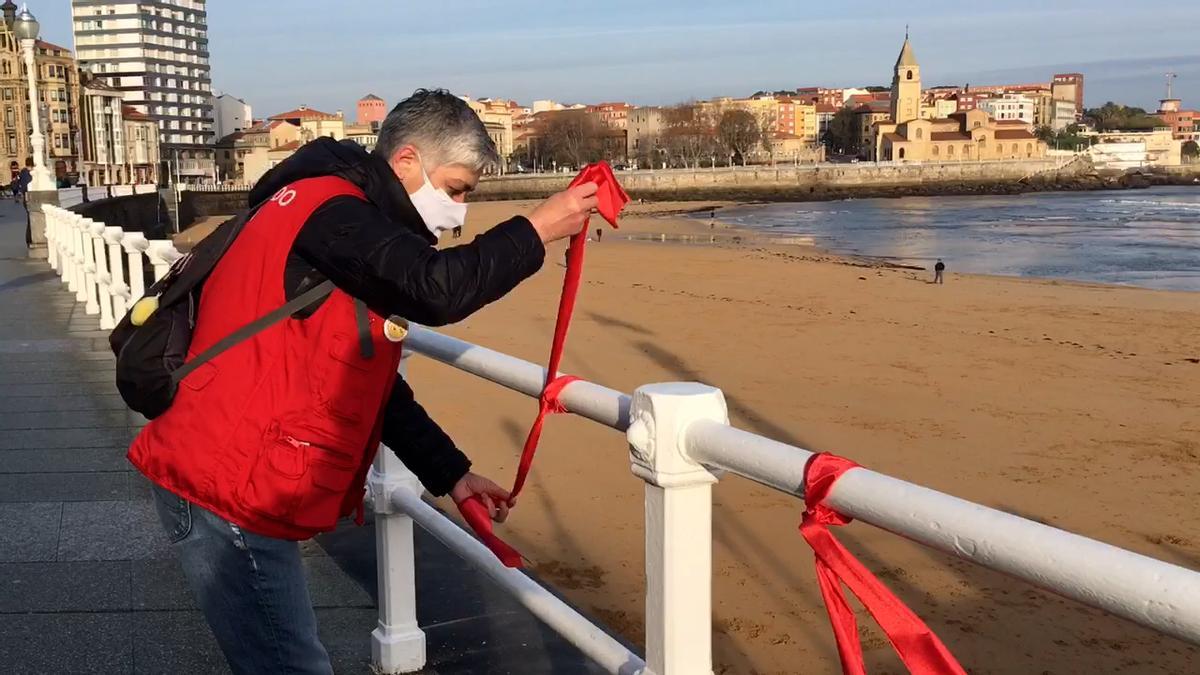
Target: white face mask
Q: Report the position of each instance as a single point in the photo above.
(437, 209)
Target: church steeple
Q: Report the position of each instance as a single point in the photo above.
(906, 85)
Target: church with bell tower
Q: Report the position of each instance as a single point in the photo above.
(906, 85)
(916, 134)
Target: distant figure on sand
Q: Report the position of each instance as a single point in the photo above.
(599, 232)
(938, 270)
(712, 219)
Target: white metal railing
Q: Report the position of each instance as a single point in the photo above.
(680, 443)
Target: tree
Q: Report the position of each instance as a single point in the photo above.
(1045, 134)
(841, 135)
(572, 138)
(689, 136)
(1116, 117)
(738, 132)
(1191, 151)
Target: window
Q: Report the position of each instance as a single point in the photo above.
(966, 151)
(901, 153)
(1016, 148)
(919, 133)
(935, 151)
(950, 151)
(1029, 149)
(908, 76)
(12, 143)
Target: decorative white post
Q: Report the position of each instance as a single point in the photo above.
(81, 228)
(678, 523)
(90, 269)
(52, 216)
(397, 643)
(67, 248)
(162, 253)
(103, 277)
(135, 245)
(116, 275)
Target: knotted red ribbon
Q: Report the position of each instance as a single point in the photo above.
(611, 199)
(920, 650)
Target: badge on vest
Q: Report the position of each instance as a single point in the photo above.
(395, 329)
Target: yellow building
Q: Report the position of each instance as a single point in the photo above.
(907, 135)
(497, 118)
(314, 123)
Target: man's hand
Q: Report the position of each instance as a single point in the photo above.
(563, 214)
(494, 497)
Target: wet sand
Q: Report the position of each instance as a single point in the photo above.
(1071, 404)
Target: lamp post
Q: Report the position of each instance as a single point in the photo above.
(26, 29)
(42, 189)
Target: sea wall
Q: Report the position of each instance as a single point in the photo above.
(818, 181)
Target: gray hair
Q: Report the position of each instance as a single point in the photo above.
(442, 127)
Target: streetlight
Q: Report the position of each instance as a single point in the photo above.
(26, 29)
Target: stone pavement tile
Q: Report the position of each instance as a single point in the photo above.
(125, 530)
(67, 365)
(64, 587)
(159, 584)
(330, 586)
(173, 643)
(63, 487)
(52, 358)
(33, 388)
(346, 634)
(63, 460)
(512, 642)
(58, 404)
(38, 644)
(63, 438)
(29, 532)
(104, 374)
(70, 420)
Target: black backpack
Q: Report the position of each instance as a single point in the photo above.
(151, 356)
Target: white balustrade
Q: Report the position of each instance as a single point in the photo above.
(116, 273)
(79, 253)
(50, 211)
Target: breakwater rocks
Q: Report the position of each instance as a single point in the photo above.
(846, 181)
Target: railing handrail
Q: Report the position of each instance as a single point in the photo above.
(1145, 590)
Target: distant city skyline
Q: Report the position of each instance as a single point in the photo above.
(328, 56)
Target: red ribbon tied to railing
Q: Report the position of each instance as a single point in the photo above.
(610, 200)
(920, 650)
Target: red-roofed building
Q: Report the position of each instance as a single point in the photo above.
(611, 115)
(1184, 124)
(314, 123)
(371, 111)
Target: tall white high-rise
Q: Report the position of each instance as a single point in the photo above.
(156, 54)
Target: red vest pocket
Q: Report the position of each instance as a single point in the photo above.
(299, 483)
(199, 378)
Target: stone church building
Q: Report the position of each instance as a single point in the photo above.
(911, 135)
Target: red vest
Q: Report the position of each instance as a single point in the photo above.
(277, 433)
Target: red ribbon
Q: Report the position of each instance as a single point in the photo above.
(611, 199)
(920, 650)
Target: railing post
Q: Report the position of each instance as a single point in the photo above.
(74, 275)
(162, 253)
(678, 523)
(52, 219)
(103, 278)
(81, 259)
(135, 244)
(91, 279)
(116, 272)
(397, 643)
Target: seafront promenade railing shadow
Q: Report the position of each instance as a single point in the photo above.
(681, 443)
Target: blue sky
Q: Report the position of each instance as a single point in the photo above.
(278, 54)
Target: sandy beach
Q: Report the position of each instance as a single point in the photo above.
(1067, 403)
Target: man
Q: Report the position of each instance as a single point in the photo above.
(269, 442)
(938, 269)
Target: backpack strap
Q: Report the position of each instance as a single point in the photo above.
(294, 305)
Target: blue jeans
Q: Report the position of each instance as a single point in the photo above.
(251, 589)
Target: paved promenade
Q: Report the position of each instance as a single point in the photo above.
(87, 582)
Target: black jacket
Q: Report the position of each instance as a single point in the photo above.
(380, 252)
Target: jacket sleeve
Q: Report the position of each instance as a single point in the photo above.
(420, 443)
(396, 271)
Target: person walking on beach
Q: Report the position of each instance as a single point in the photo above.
(938, 271)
